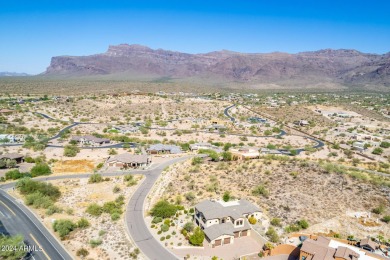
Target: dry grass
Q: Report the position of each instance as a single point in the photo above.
(73, 166)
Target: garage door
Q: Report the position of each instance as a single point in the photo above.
(244, 233)
(236, 234)
(218, 242)
(226, 241)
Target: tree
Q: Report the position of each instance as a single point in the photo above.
(40, 169)
(226, 196)
(11, 242)
(163, 209)
(63, 227)
(13, 175)
(197, 237)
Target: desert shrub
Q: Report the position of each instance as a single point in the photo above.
(162, 238)
(99, 166)
(197, 237)
(40, 169)
(116, 189)
(226, 196)
(196, 160)
(135, 253)
(189, 226)
(63, 227)
(83, 223)
(115, 216)
(163, 209)
(71, 150)
(385, 144)
(386, 219)
(14, 175)
(272, 235)
(191, 211)
(53, 209)
(82, 252)
(164, 228)
(28, 186)
(168, 237)
(102, 232)
(190, 196)
(157, 220)
(260, 190)
(95, 242)
(94, 210)
(303, 223)
(38, 200)
(252, 220)
(377, 151)
(276, 222)
(95, 178)
(379, 210)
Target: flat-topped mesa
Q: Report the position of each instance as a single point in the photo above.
(123, 49)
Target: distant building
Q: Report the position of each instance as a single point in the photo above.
(243, 153)
(223, 222)
(206, 146)
(127, 160)
(12, 156)
(126, 129)
(11, 138)
(163, 149)
(90, 140)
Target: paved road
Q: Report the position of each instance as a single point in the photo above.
(135, 217)
(17, 219)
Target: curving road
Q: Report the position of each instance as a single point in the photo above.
(17, 219)
(318, 144)
(135, 216)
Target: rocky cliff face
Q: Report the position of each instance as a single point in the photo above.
(339, 66)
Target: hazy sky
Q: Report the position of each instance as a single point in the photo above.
(34, 31)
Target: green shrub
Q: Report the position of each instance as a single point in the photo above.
(157, 220)
(102, 232)
(189, 226)
(226, 196)
(28, 186)
(9, 243)
(163, 209)
(168, 237)
(40, 169)
(53, 209)
(63, 227)
(82, 252)
(115, 216)
(83, 223)
(164, 228)
(276, 222)
(116, 189)
(272, 235)
(95, 178)
(13, 175)
(252, 220)
(95, 242)
(260, 190)
(38, 200)
(386, 219)
(94, 210)
(71, 150)
(197, 237)
(303, 223)
(379, 210)
(162, 238)
(190, 196)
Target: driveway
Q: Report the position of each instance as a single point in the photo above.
(241, 246)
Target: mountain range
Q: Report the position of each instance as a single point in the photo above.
(13, 74)
(328, 67)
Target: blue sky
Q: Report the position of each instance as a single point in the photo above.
(34, 31)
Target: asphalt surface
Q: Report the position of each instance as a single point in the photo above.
(17, 219)
(135, 216)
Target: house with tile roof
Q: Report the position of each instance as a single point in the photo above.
(128, 160)
(223, 222)
(163, 149)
